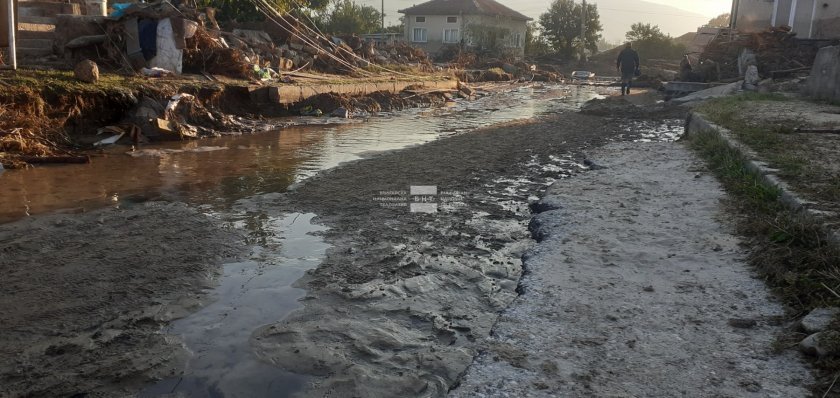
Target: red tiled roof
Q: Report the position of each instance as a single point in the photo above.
(457, 7)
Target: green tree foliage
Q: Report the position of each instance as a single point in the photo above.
(644, 32)
(535, 42)
(720, 21)
(487, 39)
(346, 16)
(561, 27)
(399, 28)
(650, 42)
(245, 10)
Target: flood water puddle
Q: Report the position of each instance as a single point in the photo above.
(251, 294)
(219, 171)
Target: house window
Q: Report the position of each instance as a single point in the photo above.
(419, 19)
(451, 36)
(517, 40)
(451, 19)
(419, 35)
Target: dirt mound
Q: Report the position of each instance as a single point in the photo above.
(624, 107)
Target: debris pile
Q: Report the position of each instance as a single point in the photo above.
(184, 117)
(170, 40)
(27, 135)
(776, 51)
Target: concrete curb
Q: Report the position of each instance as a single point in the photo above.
(696, 123)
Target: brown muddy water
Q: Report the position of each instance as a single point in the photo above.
(218, 171)
(219, 176)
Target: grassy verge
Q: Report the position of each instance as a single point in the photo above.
(789, 251)
(775, 143)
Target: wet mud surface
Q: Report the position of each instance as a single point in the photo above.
(402, 297)
(638, 288)
(392, 302)
(85, 295)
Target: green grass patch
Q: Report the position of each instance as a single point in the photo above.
(775, 143)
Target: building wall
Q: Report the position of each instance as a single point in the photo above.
(754, 15)
(827, 21)
(436, 24)
(818, 19)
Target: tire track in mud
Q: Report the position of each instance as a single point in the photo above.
(401, 299)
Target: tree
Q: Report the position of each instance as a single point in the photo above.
(239, 10)
(650, 42)
(720, 21)
(644, 32)
(399, 28)
(535, 43)
(348, 17)
(561, 27)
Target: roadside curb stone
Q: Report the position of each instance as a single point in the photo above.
(697, 123)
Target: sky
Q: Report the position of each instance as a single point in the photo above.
(674, 17)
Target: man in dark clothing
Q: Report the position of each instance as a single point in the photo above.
(627, 64)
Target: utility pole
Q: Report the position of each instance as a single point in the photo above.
(383, 19)
(583, 32)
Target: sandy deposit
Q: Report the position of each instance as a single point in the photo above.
(638, 289)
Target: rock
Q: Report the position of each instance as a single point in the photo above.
(818, 319)
(751, 78)
(87, 71)
(821, 344)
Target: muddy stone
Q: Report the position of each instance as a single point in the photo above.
(87, 71)
(818, 319)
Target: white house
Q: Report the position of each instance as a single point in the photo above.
(481, 24)
(816, 19)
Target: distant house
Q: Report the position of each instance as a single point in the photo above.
(479, 24)
(815, 19)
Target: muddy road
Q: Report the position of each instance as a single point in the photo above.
(382, 276)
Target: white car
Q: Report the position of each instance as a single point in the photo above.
(582, 75)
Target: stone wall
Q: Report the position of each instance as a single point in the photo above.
(824, 82)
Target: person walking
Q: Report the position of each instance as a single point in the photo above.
(627, 63)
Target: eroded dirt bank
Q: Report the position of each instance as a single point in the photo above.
(85, 295)
(401, 299)
(639, 288)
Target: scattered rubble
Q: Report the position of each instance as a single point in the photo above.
(776, 50)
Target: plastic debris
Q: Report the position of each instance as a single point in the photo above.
(155, 72)
(310, 111)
